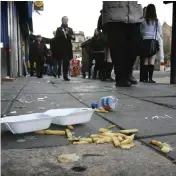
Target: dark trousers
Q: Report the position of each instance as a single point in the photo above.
(39, 68)
(99, 65)
(123, 42)
(141, 69)
(31, 68)
(108, 67)
(66, 64)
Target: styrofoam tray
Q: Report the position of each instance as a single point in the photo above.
(27, 123)
(72, 116)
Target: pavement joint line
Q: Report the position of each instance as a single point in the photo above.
(8, 109)
(141, 98)
(157, 135)
(161, 104)
(157, 151)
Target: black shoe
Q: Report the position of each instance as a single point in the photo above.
(151, 81)
(66, 79)
(124, 83)
(132, 80)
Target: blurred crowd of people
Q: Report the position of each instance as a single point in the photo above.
(124, 32)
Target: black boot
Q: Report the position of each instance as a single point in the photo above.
(151, 68)
(66, 78)
(145, 73)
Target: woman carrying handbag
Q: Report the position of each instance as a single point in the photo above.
(151, 30)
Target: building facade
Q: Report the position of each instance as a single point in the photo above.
(77, 50)
(16, 25)
(167, 38)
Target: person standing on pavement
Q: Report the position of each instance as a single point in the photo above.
(65, 35)
(151, 31)
(55, 56)
(108, 66)
(121, 21)
(38, 53)
(97, 50)
(141, 79)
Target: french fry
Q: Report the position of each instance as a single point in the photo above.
(127, 146)
(120, 139)
(54, 132)
(120, 134)
(103, 130)
(104, 140)
(109, 134)
(68, 133)
(111, 126)
(40, 132)
(128, 140)
(96, 136)
(70, 127)
(129, 131)
(115, 141)
(95, 139)
(100, 111)
(74, 139)
(89, 140)
(81, 142)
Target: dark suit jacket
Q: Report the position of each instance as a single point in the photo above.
(64, 44)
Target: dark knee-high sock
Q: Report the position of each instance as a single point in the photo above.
(145, 72)
(151, 69)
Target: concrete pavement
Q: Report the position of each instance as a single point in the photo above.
(138, 108)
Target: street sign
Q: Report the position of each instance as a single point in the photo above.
(38, 5)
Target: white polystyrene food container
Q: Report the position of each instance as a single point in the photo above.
(27, 123)
(76, 116)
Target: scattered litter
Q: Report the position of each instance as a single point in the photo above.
(30, 137)
(100, 111)
(165, 148)
(129, 131)
(4, 115)
(161, 117)
(41, 108)
(30, 112)
(67, 158)
(48, 81)
(68, 133)
(106, 103)
(155, 117)
(168, 116)
(146, 118)
(21, 140)
(13, 112)
(103, 130)
(42, 99)
(52, 103)
(51, 132)
(111, 126)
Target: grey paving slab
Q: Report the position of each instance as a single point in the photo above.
(89, 98)
(4, 106)
(8, 96)
(53, 101)
(166, 101)
(41, 88)
(134, 113)
(171, 140)
(11, 87)
(149, 90)
(32, 140)
(104, 160)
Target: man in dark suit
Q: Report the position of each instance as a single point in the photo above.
(64, 35)
(38, 52)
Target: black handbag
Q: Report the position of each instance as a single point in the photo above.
(154, 46)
